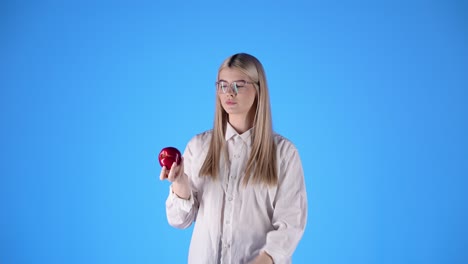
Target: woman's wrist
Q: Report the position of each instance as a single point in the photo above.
(267, 257)
(181, 190)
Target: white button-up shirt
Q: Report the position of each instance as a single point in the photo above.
(234, 223)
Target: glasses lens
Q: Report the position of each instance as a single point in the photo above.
(221, 86)
(240, 84)
(234, 87)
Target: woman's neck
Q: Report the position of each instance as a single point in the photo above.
(240, 123)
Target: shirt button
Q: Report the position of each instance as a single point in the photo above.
(229, 198)
(227, 222)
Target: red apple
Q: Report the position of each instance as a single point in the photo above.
(168, 156)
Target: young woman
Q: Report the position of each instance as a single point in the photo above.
(240, 183)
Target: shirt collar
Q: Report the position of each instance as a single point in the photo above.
(231, 132)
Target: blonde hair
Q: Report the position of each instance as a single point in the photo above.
(261, 166)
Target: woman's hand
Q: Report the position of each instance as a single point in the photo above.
(180, 182)
(262, 258)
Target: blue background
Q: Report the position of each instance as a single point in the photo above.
(373, 94)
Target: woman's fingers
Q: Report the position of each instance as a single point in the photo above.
(163, 175)
(173, 172)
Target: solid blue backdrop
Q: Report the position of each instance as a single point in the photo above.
(373, 94)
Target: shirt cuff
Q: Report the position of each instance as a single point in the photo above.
(184, 204)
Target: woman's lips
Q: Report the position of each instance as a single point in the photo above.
(228, 102)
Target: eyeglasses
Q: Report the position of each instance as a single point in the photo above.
(236, 87)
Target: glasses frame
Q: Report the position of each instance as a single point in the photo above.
(232, 85)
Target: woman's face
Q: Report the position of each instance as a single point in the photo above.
(234, 104)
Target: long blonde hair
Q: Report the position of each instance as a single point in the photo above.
(261, 165)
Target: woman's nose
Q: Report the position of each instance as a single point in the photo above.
(230, 91)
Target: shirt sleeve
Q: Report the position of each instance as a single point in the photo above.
(181, 212)
(290, 211)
